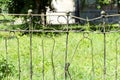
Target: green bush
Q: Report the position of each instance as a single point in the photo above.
(6, 69)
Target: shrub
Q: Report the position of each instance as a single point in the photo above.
(6, 69)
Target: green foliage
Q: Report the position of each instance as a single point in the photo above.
(4, 4)
(6, 69)
(5, 1)
(22, 6)
(104, 1)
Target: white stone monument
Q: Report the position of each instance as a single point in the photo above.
(61, 8)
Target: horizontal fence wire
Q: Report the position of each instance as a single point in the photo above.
(52, 62)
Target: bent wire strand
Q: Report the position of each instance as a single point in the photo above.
(18, 54)
(92, 60)
(52, 59)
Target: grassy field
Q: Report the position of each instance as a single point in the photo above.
(79, 46)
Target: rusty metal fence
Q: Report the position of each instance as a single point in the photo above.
(87, 51)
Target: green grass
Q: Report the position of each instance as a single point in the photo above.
(81, 64)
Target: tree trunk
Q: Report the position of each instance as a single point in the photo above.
(77, 11)
(41, 9)
(37, 7)
(118, 6)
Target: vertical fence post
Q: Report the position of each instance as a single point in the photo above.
(43, 60)
(30, 33)
(104, 56)
(66, 52)
(103, 14)
(93, 72)
(19, 58)
(116, 66)
(6, 50)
